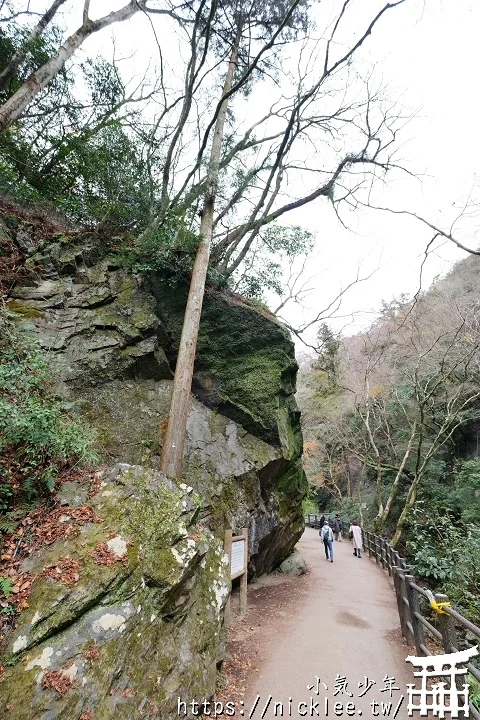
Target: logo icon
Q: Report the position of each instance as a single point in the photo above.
(440, 697)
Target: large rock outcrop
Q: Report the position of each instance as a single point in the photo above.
(112, 339)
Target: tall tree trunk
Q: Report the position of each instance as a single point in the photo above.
(359, 492)
(174, 442)
(383, 514)
(409, 503)
(16, 105)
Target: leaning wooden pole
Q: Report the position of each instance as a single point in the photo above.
(174, 441)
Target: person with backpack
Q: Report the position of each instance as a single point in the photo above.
(326, 535)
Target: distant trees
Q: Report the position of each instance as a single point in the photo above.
(408, 423)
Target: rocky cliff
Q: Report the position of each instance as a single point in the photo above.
(112, 339)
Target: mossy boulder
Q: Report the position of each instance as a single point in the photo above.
(131, 636)
(245, 364)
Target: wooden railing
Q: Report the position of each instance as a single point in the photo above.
(410, 597)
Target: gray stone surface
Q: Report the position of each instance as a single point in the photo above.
(294, 564)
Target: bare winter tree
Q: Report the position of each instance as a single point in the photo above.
(271, 21)
(261, 187)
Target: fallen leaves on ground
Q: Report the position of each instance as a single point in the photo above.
(95, 486)
(38, 528)
(19, 592)
(92, 652)
(65, 571)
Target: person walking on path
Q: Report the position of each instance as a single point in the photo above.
(326, 535)
(355, 533)
(337, 528)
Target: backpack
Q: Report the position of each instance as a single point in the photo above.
(327, 534)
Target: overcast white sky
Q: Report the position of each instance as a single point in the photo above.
(431, 56)
(428, 53)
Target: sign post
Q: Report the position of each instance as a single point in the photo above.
(236, 548)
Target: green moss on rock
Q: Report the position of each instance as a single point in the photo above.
(245, 364)
(23, 309)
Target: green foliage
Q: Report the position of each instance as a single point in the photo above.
(275, 247)
(14, 37)
(327, 364)
(8, 610)
(169, 248)
(349, 509)
(290, 240)
(5, 586)
(260, 278)
(446, 552)
(309, 502)
(474, 690)
(71, 154)
(38, 435)
(466, 492)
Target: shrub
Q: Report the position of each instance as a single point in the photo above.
(446, 553)
(38, 434)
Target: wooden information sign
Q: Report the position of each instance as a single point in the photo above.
(237, 549)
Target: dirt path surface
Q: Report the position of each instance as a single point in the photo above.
(339, 620)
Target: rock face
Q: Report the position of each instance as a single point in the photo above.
(143, 623)
(113, 340)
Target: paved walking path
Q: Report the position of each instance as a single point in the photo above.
(345, 624)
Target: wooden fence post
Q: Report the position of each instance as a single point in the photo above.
(447, 628)
(398, 595)
(414, 604)
(404, 607)
(383, 545)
